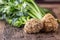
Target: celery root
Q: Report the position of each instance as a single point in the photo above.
(49, 23)
(33, 26)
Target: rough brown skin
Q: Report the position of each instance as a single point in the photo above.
(33, 26)
(50, 23)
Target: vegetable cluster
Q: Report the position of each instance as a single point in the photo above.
(17, 12)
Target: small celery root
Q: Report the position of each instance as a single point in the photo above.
(33, 26)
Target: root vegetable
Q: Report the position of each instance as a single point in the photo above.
(50, 23)
(33, 26)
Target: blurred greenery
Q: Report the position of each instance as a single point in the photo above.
(17, 12)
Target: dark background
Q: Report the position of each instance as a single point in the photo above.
(48, 1)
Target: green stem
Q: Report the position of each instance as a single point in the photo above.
(37, 7)
(36, 12)
(42, 11)
(23, 18)
(31, 6)
(31, 15)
